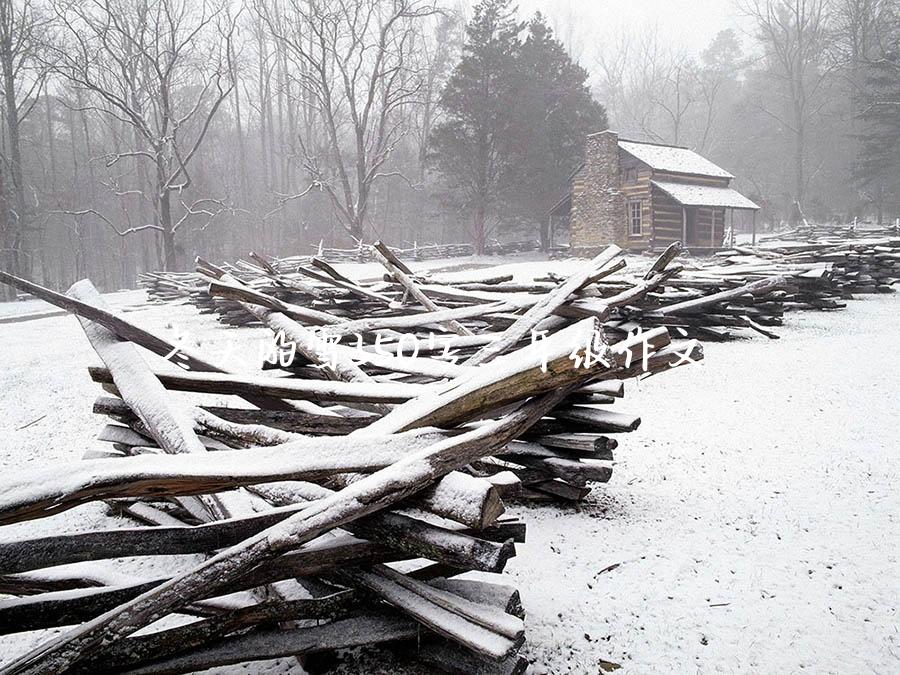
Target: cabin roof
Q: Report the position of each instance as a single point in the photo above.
(673, 158)
(705, 195)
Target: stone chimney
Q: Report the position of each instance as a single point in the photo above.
(598, 207)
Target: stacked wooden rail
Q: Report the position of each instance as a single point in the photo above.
(363, 252)
(624, 303)
(712, 307)
(302, 496)
(851, 266)
(811, 232)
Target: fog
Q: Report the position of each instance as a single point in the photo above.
(204, 128)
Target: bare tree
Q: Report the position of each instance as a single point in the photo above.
(436, 51)
(353, 63)
(161, 70)
(862, 29)
(720, 64)
(612, 67)
(648, 87)
(794, 35)
(23, 73)
(675, 93)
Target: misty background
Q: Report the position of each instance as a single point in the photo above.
(139, 133)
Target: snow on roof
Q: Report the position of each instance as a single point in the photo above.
(674, 159)
(705, 195)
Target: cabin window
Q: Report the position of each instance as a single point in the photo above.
(631, 175)
(635, 210)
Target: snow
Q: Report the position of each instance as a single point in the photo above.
(120, 301)
(765, 478)
(705, 195)
(52, 485)
(674, 159)
(753, 516)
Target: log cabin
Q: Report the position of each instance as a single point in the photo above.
(644, 196)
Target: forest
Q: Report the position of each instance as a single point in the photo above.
(137, 134)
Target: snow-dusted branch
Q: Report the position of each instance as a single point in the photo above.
(100, 216)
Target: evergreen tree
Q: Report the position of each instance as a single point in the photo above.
(554, 112)
(473, 144)
(878, 167)
(516, 113)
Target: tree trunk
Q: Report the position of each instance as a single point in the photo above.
(879, 203)
(6, 293)
(799, 157)
(239, 130)
(356, 227)
(479, 233)
(168, 234)
(15, 221)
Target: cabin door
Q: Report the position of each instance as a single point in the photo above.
(690, 225)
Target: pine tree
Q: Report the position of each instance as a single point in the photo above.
(516, 114)
(554, 113)
(472, 145)
(878, 167)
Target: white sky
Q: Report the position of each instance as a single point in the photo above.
(691, 24)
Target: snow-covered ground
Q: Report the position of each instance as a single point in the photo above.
(753, 517)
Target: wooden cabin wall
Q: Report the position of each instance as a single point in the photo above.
(667, 219)
(710, 227)
(668, 224)
(640, 189)
(688, 179)
(719, 225)
(661, 215)
(667, 215)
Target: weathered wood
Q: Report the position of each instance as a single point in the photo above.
(59, 608)
(309, 390)
(36, 493)
(514, 377)
(575, 472)
(557, 489)
(373, 493)
(282, 280)
(490, 594)
(457, 496)
(200, 648)
(340, 281)
(182, 356)
(543, 308)
(539, 367)
(596, 445)
(450, 658)
(33, 553)
(296, 421)
(755, 288)
(614, 388)
(246, 295)
(402, 274)
(472, 501)
(332, 358)
(157, 646)
(169, 425)
(113, 433)
(600, 420)
(485, 630)
(410, 535)
(671, 252)
(415, 320)
(593, 449)
(267, 644)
